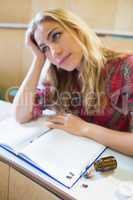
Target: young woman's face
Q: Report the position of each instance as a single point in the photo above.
(59, 46)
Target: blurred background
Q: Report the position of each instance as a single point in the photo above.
(111, 19)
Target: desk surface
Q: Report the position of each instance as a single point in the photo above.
(103, 186)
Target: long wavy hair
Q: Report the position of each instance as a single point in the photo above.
(89, 79)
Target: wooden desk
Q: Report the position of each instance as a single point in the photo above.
(15, 186)
(19, 180)
(4, 177)
(21, 187)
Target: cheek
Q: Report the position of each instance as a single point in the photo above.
(77, 53)
(75, 48)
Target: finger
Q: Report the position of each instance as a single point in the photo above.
(53, 125)
(55, 121)
(58, 119)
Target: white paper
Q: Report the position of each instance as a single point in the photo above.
(18, 135)
(59, 153)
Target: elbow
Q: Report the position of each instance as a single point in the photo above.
(20, 116)
(21, 113)
(21, 119)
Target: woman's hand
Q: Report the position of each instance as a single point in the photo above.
(29, 41)
(69, 123)
(117, 140)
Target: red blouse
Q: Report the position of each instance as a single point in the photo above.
(118, 114)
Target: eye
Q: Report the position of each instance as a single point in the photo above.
(56, 36)
(44, 49)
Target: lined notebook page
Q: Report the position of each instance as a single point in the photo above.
(59, 153)
(18, 135)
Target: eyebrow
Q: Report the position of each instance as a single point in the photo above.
(48, 36)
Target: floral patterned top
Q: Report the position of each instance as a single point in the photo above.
(118, 114)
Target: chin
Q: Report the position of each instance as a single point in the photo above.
(70, 68)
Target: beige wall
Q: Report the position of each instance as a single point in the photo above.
(124, 17)
(15, 11)
(110, 14)
(15, 59)
(11, 42)
(119, 44)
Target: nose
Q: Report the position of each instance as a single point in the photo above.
(56, 50)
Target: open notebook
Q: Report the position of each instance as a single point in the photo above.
(54, 152)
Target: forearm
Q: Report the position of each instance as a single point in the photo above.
(24, 100)
(120, 141)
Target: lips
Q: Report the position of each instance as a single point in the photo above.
(64, 59)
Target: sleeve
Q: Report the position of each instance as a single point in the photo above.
(121, 89)
(41, 100)
(127, 72)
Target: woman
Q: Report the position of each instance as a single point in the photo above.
(90, 86)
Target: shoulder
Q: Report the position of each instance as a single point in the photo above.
(119, 70)
(120, 66)
(126, 67)
(119, 62)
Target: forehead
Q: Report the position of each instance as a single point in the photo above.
(45, 27)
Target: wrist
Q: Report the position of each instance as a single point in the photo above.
(38, 61)
(39, 58)
(86, 130)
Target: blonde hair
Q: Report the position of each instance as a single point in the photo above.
(94, 57)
